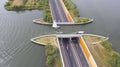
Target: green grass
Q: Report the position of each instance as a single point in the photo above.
(53, 56)
(82, 20)
(47, 12)
(107, 45)
(111, 57)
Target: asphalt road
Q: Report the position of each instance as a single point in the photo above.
(69, 61)
(70, 48)
(72, 53)
(57, 11)
(78, 48)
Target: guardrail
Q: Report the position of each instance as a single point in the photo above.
(69, 17)
(87, 53)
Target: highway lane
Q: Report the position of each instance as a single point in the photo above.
(80, 53)
(54, 11)
(67, 56)
(72, 53)
(64, 52)
(57, 11)
(62, 13)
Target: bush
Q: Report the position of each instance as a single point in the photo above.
(50, 61)
(82, 20)
(10, 0)
(50, 50)
(53, 56)
(18, 8)
(115, 61)
(107, 45)
(47, 16)
(78, 20)
(7, 4)
(47, 13)
(76, 13)
(85, 19)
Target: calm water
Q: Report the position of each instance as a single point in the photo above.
(16, 30)
(106, 14)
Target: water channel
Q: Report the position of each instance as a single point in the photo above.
(17, 28)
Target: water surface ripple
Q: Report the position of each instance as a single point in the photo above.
(17, 28)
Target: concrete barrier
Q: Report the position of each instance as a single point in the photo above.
(87, 53)
(69, 17)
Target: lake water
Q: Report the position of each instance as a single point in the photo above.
(106, 18)
(17, 28)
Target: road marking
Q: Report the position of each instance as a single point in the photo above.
(75, 54)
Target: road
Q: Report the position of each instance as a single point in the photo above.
(70, 48)
(72, 54)
(66, 53)
(57, 11)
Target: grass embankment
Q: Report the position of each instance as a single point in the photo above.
(74, 12)
(53, 56)
(102, 52)
(52, 51)
(21, 5)
(111, 57)
(47, 40)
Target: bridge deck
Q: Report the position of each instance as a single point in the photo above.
(68, 35)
